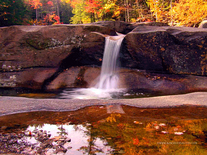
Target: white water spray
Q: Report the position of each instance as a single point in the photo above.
(108, 79)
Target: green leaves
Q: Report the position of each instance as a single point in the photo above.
(12, 12)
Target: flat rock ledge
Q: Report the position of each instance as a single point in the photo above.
(12, 105)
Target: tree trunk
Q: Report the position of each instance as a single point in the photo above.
(58, 10)
(36, 17)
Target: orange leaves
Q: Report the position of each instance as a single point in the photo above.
(51, 18)
(50, 3)
(93, 6)
(135, 141)
(57, 19)
(75, 3)
(120, 126)
(35, 3)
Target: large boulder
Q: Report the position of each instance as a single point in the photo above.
(45, 46)
(166, 49)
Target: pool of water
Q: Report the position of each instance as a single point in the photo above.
(110, 129)
(80, 93)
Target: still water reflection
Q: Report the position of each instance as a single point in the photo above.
(103, 130)
(74, 138)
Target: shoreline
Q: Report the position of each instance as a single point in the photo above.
(12, 105)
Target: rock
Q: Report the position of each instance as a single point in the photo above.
(67, 56)
(65, 79)
(156, 83)
(60, 46)
(124, 28)
(27, 78)
(166, 49)
(203, 24)
(161, 84)
(118, 26)
(44, 45)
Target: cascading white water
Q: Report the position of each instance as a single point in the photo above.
(108, 79)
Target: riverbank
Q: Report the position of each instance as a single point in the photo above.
(11, 105)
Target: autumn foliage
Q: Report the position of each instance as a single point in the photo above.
(189, 12)
(179, 12)
(44, 12)
(35, 3)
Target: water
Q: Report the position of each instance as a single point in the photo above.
(108, 77)
(93, 130)
(107, 86)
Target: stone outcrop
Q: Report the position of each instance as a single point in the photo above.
(34, 46)
(175, 50)
(124, 28)
(64, 56)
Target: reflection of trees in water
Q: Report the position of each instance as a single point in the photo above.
(62, 131)
(92, 147)
(126, 136)
(145, 131)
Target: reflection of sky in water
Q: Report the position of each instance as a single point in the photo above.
(77, 134)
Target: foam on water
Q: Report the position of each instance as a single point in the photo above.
(91, 93)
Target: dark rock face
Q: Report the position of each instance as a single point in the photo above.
(61, 56)
(167, 49)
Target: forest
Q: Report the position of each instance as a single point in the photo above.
(47, 12)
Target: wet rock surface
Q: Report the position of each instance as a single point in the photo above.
(18, 142)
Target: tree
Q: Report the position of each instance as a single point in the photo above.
(160, 9)
(12, 12)
(93, 7)
(65, 12)
(94, 10)
(35, 4)
(189, 12)
(80, 16)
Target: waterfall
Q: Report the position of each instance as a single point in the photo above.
(108, 77)
(107, 83)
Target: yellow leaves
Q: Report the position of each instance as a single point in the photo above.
(112, 118)
(66, 1)
(158, 8)
(189, 12)
(108, 6)
(181, 13)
